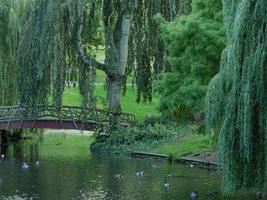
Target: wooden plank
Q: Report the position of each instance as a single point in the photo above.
(140, 153)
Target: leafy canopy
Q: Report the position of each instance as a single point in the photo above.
(194, 45)
(237, 97)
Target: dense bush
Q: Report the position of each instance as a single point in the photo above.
(194, 44)
(140, 136)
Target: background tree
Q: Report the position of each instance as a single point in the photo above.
(47, 53)
(237, 97)
(117, 18)
(149, 52)
(194, 44)
(13, 14)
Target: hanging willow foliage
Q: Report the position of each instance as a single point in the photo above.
(13, 14)
(150, 52)
(41, 56)
(47, 53)
(237, 97)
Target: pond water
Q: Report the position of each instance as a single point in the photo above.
(69, 171)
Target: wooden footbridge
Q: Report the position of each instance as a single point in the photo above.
(52, 117)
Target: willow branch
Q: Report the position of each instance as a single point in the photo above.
(87, 59)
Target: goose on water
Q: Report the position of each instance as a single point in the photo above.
(141, 173)
(118, 176)
(212, 192)
(25, 166)
(166, 185)
(37, 163)
(194, 195)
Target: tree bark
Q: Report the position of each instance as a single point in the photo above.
(116, 47)
(120, 63)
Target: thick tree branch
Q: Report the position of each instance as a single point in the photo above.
(87, 59)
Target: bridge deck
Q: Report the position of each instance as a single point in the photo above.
(68, 117)
(47, 124)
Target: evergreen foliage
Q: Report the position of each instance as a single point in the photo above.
(194, 45)
(237, 97)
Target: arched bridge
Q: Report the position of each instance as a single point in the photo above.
(67, 117)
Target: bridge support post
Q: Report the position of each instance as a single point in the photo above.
(3, 138)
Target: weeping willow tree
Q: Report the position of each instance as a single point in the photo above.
(117, 18)
(13, 14)
(50, 39)
(237, 97)
(41, 54)
(149, 50)
(47, 51)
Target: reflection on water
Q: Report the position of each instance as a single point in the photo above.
(68, 171)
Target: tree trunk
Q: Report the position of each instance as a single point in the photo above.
(116, 43)
(3, 138)
(116, 57)
(114, 94)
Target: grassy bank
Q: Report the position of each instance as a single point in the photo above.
(185, 146)
(141, 111)
(157, 138)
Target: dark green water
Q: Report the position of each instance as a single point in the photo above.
(69, 171)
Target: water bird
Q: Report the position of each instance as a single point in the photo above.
(259, 195)
(59, 143)
(192, 165)
(118, 176)
(166, 186)
(2, 156)
(141, 173)
(194, 195)
(25, 166)
(37, 163)
(213, 192)
(172, 176)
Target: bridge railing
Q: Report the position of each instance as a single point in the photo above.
(64, 113)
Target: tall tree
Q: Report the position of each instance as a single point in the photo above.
(47, 51)
(49, 39)
(41, 54)
(117, 17)
(150, 52)
(194, 43)
(13, 14)
(237, 97)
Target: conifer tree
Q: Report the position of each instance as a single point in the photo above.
(194, 43)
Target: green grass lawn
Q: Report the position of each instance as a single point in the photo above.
(72, 97)
(186, 146)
